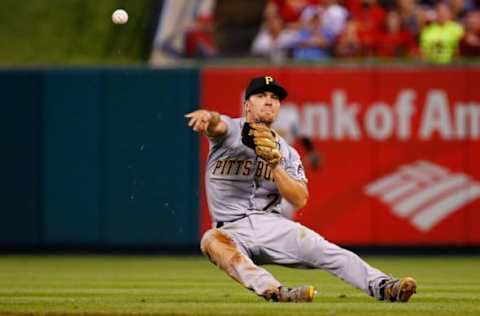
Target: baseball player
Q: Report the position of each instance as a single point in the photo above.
(251, 175)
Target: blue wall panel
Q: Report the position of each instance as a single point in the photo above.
(20, 95)
(99, 157)
(71, 156)
(151, 174)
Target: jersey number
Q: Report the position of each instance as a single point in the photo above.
(275, 198)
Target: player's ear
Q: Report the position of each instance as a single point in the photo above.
(246, 106)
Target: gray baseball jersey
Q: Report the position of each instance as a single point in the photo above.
(241, 193)
(239, 183)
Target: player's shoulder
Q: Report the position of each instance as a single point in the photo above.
(234, 126)
(233, 122)
(229, 119)
(238, 120)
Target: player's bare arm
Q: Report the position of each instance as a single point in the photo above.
(266, 147)
(294, 191)
(207, 122)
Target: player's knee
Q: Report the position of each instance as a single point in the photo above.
(216, 241)
(206, 241)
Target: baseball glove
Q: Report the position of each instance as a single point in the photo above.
(261, 138)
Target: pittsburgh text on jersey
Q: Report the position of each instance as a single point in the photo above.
(242, 169)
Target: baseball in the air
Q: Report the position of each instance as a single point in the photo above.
(120, 16)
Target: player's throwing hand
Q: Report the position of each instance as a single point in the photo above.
(199, 120)
(206, 122)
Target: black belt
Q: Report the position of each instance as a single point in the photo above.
(221, 223)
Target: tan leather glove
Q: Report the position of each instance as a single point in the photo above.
(266, 145)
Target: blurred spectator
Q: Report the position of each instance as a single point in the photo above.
(348, 43)
(395, 40)
(236, 24)
(289, 10)
(460, 8)
(318, 29)
(313, 41)
(334, 16)
(370, 18)
(412, 15)
(199, 36)
(470, 43)
(169, 41)
(273, 40)
(439, 40)
(178, 17)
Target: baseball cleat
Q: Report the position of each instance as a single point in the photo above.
(400, 290)
(304, 293)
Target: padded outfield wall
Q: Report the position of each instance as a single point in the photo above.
(103, 157)
(98, 158)
(400, 149)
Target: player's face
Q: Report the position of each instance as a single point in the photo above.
(262, 107)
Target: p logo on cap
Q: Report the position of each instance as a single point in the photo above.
(265, 83)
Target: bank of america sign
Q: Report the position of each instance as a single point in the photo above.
(424, 193)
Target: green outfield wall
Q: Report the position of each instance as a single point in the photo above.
(98, 157)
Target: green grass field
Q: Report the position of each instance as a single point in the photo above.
(157, 285)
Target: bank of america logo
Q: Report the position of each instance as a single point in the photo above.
(424, 192)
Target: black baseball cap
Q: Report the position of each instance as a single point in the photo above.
(265, 83)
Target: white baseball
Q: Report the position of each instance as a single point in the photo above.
(120, 16)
